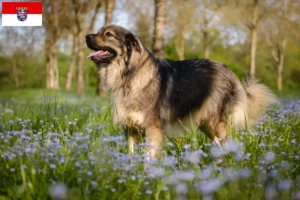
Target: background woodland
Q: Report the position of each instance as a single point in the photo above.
(256, 38)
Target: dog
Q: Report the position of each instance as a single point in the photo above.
(154, 97)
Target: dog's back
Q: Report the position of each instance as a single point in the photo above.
(207, 93)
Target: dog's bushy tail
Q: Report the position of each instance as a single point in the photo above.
(259, 98)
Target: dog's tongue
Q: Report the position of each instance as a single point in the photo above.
(95, 53)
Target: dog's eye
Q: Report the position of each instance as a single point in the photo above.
(108, 34)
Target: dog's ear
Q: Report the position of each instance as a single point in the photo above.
(132, 42)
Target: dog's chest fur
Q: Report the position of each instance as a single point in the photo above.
(125, 112)
(133, 100)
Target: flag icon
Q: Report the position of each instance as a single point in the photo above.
(22, 14)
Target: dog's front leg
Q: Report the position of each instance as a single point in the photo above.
(133, 138)
(154, 139)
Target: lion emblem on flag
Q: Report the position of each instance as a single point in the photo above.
(22, 14)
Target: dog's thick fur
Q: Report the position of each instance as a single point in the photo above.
(161, 96)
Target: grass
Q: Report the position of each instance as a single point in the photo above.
(55, 145)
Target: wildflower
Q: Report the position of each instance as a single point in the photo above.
(148, 192)
(229, 174)
(245, 173)
(58, 191)
(169, 144)
(53, 166)
(94, 183)
(90, 173)
(297, 195)
(180, 176)
(217, 151)
(233, 146)
(285, 165)
(293, 141)
(261, 145)
(269, 157)
(270, 192)
(156, 172)
(185, 175)
(247, 156)
(62, 159)
(210, 186)
(99, 127)
(187, 146)
(181, 188)
(239, 154)
(23, 167)
(283, 153)
(133, 178)
(285, 185)
(169, 161)
(206, 173)
(192, 157)
(121, 181)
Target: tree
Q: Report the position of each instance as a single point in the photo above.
(159, 28)
(72, 63)
(251, 13)
(82, 11)
(21, 60)
(276, 29)
(182, 25)
(207, 15)
(141, 27)
(109, 8)
(253, 31)
(55, 21)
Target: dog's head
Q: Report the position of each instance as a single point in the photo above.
(111, 43)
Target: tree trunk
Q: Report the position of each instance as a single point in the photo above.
(205, 44)
(253, 29)
(52, 78)
(109, 7)
(80, 72)
(16, 73)
(253, 52)
(72, 64)
(279, 73)
(280, 64)
(180, 47)
(159, 25)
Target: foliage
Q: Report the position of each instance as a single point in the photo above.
(222, 28)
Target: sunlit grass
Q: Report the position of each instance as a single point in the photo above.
(56, 145)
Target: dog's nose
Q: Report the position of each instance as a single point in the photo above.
(90, 36)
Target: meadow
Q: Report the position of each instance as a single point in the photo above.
(55, 145)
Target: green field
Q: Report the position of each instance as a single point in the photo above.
(56, 145)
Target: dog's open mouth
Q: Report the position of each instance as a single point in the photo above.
(101, 54)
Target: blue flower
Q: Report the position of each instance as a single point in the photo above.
(58, 191)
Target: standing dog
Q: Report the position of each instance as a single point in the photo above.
(160, 96)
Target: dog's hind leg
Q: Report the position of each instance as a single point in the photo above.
(221, 131)
(215, 131)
